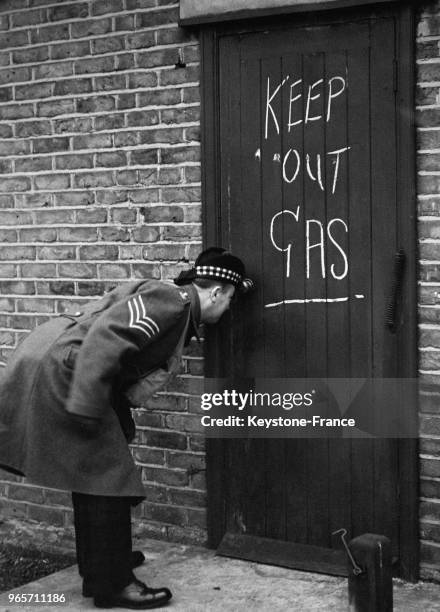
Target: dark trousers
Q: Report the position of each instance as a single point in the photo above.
(103, 541)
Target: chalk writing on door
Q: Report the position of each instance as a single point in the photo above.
(308, 104)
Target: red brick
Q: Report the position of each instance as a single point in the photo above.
(133, 5)
(58, 107)
(97, 179)
(8, 235)
(179, 155)
(92, 27)
(77, 124)
(15, 75)
(192, 134)
(126, 177)
(109, 44)
(7, 270)
(44, 514)
(175, 478)
(190, 74)
(142, 118)
(35, 305)
(144, 157)
(77, 270)
(7, 305)
(52, 181)
(65, 162)
(17, 287)
(144, 196)
(116, 158)
(126, 22)
(58, 498)
(55, 288)
(33, 164)
(98, 252)
(38, 235)
(100, 7)
(91, 288)
(146, 271)
(13, 39)
(148, 456)
(92, 141)
(15, 147)
(165, 514)
(145, 234)
(126, 139)
(160, 214)
(110, 83)
(188, 461)
(38, 90)
(155, 18)
(114, 234)
(126, 100)
(110, 197)
(113, 271)
(17, 111)
(78, 234)
(26, 493)
(140, 40)
(430, 488)
(32, 128)
(197, 518)
(75, 198)
(34, 54)
(161, 97)
(180, 115)
(74, 50)
(92, 215)
(71, 11)
(95, 104)
(72, 86)
(138, 80)
(49, 145)
(109, 122)
(95, 65)
(124, 215)
(49, 33)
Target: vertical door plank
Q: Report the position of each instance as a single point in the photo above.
(338, 270)
(360, 249)
(384, 222)
(272, 129)
(295, 366)
(248, 234)
(314, 211)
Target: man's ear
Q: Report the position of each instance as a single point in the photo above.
(214, 292)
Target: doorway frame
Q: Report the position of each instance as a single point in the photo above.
(214, 233)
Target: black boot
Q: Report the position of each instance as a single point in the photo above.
(135, 596)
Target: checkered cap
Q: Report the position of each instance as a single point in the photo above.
(215, 263)
(218, 273)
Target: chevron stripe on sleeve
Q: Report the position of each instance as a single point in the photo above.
(139, 318)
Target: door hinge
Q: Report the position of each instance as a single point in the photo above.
(395, 75)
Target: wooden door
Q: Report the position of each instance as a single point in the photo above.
(308, 177)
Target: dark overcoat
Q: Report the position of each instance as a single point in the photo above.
(62, 396)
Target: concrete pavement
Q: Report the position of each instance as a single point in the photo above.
(201, 581)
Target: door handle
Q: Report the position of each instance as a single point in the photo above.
(391, 310)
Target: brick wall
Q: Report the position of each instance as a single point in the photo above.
(428, 192)
(99, 183)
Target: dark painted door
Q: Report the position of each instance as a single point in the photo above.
(308, 130)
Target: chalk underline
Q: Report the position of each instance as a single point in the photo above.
(316, 300)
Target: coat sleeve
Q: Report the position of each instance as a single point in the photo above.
(126, 328)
